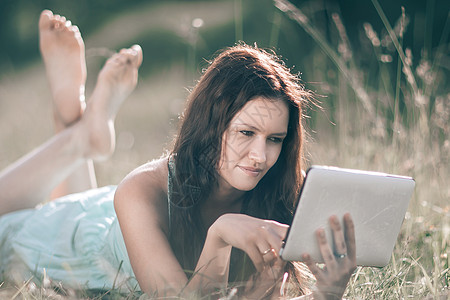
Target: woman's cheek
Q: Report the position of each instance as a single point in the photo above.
(274, 153)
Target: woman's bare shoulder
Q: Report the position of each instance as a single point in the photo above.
(146, 185)
(151, 175)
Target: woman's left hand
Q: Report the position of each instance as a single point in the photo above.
(339, 265)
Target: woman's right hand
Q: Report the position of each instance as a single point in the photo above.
(260, 239)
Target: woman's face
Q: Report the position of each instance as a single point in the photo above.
(252, 143)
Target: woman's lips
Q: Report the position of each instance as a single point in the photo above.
(254, 172)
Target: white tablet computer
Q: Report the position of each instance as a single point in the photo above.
(377, 203)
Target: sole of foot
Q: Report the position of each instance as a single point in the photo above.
(115, 82)
(63, 52)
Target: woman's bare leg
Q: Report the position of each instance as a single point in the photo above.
(30, 180)
(62, 50)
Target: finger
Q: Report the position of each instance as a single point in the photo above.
(312, 266)
(277, 269)
(256, 257)
(325, 250)
(340, 247)
(350, 237)
(275, 233)
(279, 228)
(279, 264)
(268, 254)
(275, 242)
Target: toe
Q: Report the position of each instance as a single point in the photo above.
(133, 55)
(59, 22)
(74, 28)
(126, 55)
(138, 57)
(45, 19)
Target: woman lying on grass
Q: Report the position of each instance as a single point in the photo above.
(209, 216)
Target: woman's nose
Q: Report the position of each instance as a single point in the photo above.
(257, 151)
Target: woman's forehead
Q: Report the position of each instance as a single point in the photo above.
(262, 112)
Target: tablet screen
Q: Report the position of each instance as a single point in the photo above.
(376, 201)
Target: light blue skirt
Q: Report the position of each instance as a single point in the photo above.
(75, 240)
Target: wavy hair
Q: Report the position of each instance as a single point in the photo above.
(236, 76)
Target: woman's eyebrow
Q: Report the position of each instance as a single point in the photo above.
(282, 133)
(248, 125)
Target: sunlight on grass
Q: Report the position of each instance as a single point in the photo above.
(413, 140)
(395, 123)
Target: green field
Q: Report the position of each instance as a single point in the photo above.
(381, 105)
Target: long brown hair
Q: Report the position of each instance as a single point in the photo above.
(235, 77)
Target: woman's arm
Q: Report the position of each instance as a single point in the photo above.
(212, 268)
(141, 206)
(252, 235)
(260, 239)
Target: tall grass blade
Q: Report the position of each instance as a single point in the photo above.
(440, 53)
(275, 32)
(21, 289)
(399, 48)
(350, 76)
(238, 21)
(426, 278)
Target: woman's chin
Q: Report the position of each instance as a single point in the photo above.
(246, 186)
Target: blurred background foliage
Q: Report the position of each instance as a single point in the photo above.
(379, 68)
(253, 21)
(178, 37)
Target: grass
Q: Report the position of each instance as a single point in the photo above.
(407, 133)
(392, 117)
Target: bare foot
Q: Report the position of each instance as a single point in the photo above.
(115, 82)
(62, 49)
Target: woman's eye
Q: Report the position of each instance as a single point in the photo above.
(276, 140)
(246, 132)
